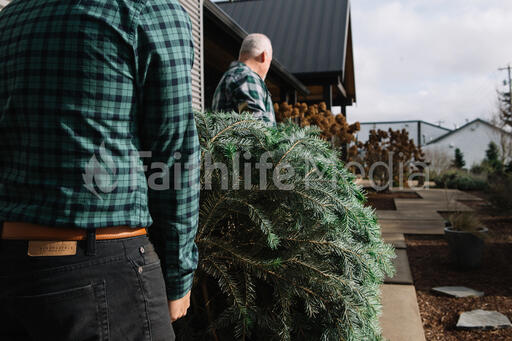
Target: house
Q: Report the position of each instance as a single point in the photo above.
(312, 38)
(473, 140)
(217, 40)
(222, 40)
(420, 132)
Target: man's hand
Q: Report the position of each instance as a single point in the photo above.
(178, 308)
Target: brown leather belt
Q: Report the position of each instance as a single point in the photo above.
(27, 231)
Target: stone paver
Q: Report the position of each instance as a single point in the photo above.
(401, 320)
(483, 319)
(403, 273)
(458, 292)
(420, 216)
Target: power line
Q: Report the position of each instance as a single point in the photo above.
(509, 69)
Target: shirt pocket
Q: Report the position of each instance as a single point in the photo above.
(77, 313)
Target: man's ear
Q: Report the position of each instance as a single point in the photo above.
(263, 57)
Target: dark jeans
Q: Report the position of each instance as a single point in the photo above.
(117, 294)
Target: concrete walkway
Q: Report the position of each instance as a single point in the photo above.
(401, 320)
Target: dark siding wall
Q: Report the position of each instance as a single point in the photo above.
(195, 10)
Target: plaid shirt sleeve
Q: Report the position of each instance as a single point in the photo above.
(164, 60)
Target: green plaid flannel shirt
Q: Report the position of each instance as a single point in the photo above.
(85, 85)
(241, 89)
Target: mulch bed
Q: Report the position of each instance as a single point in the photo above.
(384, 201)
(431, 266)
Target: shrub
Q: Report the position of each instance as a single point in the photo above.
(481, 169)
(303, 263)
(391, 147)
(492, 159)
(465, 221)
(500, 194)
(457, 179)
(334, 127)
(459, 162)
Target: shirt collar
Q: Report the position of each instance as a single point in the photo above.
(238, 63)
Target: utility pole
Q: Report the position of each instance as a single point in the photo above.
(509, 69)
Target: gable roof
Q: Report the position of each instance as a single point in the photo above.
(237, 32)
(309, 36)
(467, 125)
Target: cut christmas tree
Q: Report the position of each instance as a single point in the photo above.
(287, 250)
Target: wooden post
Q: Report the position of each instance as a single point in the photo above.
(284, 95)
(293, 97)
(344, 110)
(328, 96)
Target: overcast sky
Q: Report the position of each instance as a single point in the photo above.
(434, 60)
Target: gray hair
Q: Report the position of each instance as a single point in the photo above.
(255, 44)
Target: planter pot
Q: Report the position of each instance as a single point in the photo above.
(466, 248)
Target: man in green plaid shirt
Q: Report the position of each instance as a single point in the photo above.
(242, 87)
(91, 92)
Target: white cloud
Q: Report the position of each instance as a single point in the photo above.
(429, 59)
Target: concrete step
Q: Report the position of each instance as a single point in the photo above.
(403, 273)
(412, 226)
(395, 239)
(401, 320)
(446, 194)
(415, 205)
(416, 214)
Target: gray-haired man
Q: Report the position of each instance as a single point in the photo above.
(242, 87)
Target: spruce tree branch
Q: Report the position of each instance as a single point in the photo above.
(208, 311)
(203, 226)
(228, 128)
(264, 269)
(325, 243)
(263, 223)
(310, 198)
(341, 203)
(337, 279)
(288, 151)
(234, 293)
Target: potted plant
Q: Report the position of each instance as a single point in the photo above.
(465, 236)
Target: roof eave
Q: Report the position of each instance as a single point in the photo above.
(466, 125)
